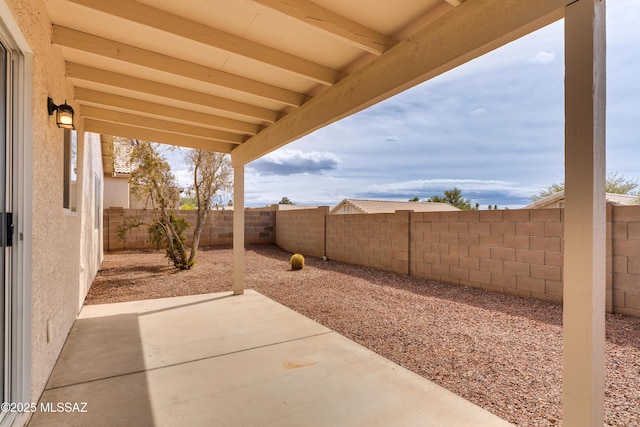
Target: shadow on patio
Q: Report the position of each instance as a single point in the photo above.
(216, 360)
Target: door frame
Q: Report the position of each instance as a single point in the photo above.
(20, 129)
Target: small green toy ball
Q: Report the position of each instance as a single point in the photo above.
(297, 262)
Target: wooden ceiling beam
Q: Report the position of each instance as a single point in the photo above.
(67, 37)
(173, 24)
(468, 31)
(128, 118)
(330, 22)
(108, 100)
(123, 81)
(126, 131)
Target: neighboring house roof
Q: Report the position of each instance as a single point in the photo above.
(622, 199)
(389, 206)
(122, 157)
(619, 199)
(285, 207)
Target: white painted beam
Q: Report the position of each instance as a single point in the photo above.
(330, 22)
(116, 129)
(238, 230)
(432, 15)
(131, 119)
(109, 78)
(95, 45)
(108, 100)
(183, 27)
(468, 31)
(584, 215)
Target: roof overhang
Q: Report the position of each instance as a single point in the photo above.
(248, 77)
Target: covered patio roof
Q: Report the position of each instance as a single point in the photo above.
(246, 77)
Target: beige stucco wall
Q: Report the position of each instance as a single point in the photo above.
(91, 253)
(116, 192)
(57, 268)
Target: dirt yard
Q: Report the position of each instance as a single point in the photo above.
(503, 353)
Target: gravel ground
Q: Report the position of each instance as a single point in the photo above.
(503, 353)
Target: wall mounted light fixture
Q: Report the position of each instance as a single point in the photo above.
(64, 114)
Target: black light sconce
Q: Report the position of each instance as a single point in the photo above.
(64, 114)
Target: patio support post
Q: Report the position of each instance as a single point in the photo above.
(584, 215)
(238, 230)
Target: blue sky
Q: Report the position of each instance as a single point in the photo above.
(493, 127)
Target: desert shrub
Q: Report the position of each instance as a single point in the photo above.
(169, 235)
(297, 262)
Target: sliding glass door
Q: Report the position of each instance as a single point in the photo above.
(6, 220)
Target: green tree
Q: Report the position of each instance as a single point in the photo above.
(414, 199)
(212, 174)
(552, 189)
(285, 201)
(621, 185)
(188, 203)
(454, 198)
(152, 180)
(616, 184)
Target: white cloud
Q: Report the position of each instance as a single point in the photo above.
(543, 57)
(478, 111)
(446, 184)
(503, 193)
(290, 161)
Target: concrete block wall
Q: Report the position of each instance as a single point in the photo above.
(517, 252)
(259, 227)
(361, 239)
(625, 259)
(302, 230)
(378, 240)
(512, 251)
(217, 231)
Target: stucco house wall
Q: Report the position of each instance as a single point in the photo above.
(116, 192)
(65, 253)
(91, 206)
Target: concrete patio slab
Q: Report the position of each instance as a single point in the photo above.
(217, 360)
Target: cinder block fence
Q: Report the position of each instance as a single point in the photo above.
(217, 231)
(513, 251)
(516, 251)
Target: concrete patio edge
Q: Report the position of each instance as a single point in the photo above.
(246, 360)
